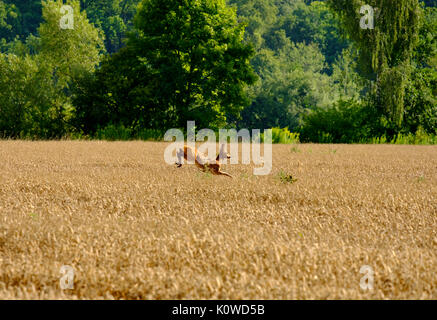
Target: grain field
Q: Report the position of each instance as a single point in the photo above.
(133, 227)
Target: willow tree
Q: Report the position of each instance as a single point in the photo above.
(386, 46)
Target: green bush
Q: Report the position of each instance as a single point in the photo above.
(279, 136)
(285, 177)
(419, 138)
(121, 133)
(344, 122)
(150, 135)
(114, 132)
(282, 136)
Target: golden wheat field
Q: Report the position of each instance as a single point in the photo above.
(133, 227)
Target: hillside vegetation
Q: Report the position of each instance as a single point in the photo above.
(306, 66)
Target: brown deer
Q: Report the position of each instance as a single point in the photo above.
(201, 161)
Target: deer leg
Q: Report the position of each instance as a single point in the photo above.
(180, 155)
(225, 174)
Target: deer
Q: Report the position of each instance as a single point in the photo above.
(201, 161)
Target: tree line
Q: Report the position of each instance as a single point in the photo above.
(146, 66)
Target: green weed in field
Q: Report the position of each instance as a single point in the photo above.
(286, 177)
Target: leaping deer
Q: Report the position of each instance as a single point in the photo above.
(202, 161)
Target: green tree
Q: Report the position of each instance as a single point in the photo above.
(421, 91)
(351, 86)
(430, 3)
(25, 98)
(69, 51)
(113, 17)
(259, 16)
(345, 121)
(26, 17)
(386, 52)
(291, 83)
(8, 19)
(120, 92)
(196, 50)
(297, 46)
(35, 88)
(186, 61)
(311, 23)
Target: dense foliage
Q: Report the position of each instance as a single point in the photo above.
(36, 77)
(136, 66)
(172, 71)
